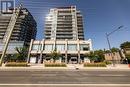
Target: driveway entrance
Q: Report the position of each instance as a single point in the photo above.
(73, 60)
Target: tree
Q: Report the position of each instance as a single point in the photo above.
(115, 49)
(107, 51)
(112, 50)
(21, 54)
(125, 45)
(55, 55)
(100, 55)
(96, 56)
(92, 56)
(10, 58)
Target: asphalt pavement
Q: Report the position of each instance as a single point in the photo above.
(90, 85)
(64, 77)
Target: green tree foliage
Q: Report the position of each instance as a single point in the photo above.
(55, 55)
(100, 55)
(113, 50)
(10, 58)
(125, 45)
(96, 56)
(107, 51)
(91, 56)
(21, 54)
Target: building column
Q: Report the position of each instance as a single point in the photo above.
(54, 47)
(90, 44)
(29, 51)
(39, 61)
(66, 50)
(78, 57)
(42, 48)
(66, 57)
(78, 48)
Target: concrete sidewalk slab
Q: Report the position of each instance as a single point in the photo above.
(69, 67)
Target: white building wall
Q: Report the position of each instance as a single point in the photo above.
(39, 47)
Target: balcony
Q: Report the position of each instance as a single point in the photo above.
(64, 30)
(64, 33)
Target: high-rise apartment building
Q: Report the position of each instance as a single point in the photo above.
(24, 29)
(64, 23)
(64, 34)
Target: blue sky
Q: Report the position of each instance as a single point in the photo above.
(100, 17)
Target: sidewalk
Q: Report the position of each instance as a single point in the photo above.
(69, 67)
(111, 67)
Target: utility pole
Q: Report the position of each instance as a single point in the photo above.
(9, 32)
(107, 36)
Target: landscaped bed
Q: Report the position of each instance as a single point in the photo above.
(107, 62)
(17, 64)
(55, 65)
(95, 65)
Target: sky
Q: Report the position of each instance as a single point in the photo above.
(99, 16)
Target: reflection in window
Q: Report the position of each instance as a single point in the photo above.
(84, 47)
(60, 47)
(72, 47)
(48, 47)
(36, 47)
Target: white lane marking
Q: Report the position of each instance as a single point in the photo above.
(84, 85)
(111, 75)
(44, 75)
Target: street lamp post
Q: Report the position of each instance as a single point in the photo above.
(107, 36)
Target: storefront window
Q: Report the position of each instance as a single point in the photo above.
(48, 47)
(36, 47)
(84, 47)
(72, 47)
(60, 47)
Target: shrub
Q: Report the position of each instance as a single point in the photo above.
(15, 64)
(108, 62)
(55, 65)
(95, 65)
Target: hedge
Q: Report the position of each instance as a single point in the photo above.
(55, 65)
(15, 64)
(95, 65)
(108, 62)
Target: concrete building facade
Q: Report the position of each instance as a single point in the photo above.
(116, 57)
(64, 23)
(72, 51)
(24, 29)
(63, 33)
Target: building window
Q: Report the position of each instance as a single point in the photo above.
(48, 47)
(84, 47)
(72, 47)
(60, 47)
(36, 47)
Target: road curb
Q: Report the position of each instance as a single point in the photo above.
(60, 69)
(70, 85)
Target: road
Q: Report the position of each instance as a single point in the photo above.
(64, 77)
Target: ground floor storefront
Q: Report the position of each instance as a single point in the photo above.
(72, 51)
(68, 59)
